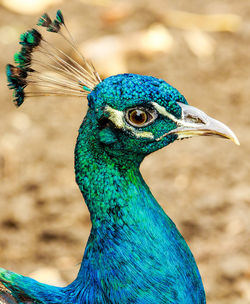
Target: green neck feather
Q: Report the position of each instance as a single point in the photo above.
(111, 185)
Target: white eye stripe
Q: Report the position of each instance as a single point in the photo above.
(116, 116)
(161, 110)
(192, 119)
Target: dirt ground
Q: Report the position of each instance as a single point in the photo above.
(202, 183)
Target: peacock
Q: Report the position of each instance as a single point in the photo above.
(135, 253)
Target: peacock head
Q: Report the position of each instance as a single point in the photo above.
(142, 114)
(132, 113)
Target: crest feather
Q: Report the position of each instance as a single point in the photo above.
(43, 69)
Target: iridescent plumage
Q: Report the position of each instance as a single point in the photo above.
(134, 254)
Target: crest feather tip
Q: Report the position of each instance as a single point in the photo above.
(59, 17)
(44, 20)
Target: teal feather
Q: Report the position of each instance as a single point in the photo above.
(20, 59)
(54, 27)
(18, 96)
(44, 20)
(30, 38)
(26, 290)
(87, 89)
(59, 17)
(16, 81)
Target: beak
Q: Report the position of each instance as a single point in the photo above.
(194, 122)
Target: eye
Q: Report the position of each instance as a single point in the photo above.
(140, 117)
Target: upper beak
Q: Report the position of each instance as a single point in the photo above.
(194, 122)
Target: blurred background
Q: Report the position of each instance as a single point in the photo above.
(200, 47)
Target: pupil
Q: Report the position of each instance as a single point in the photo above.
(139, 116)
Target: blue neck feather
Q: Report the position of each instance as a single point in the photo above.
(134, 253)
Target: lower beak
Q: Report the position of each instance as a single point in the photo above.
(194, 122)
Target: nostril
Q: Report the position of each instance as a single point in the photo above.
(194, 119)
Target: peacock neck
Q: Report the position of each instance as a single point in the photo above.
(131, 236)
(108, 184)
